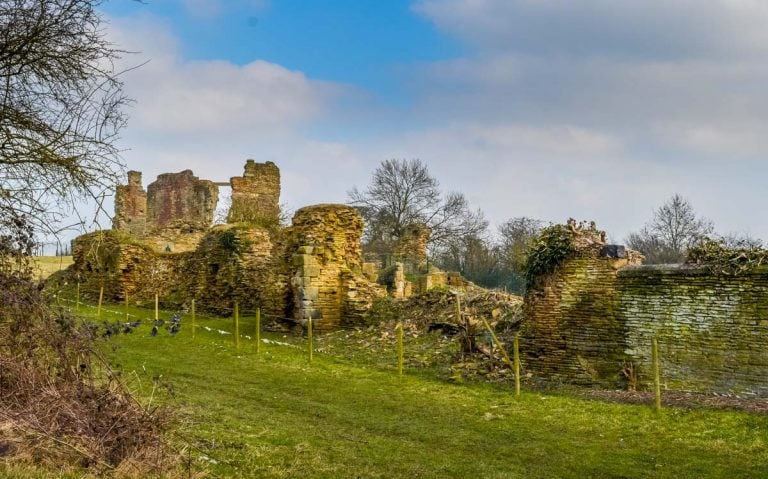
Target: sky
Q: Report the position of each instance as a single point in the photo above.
(597, 110)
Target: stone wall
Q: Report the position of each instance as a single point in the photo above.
(173, 214)
(595, 316)
(124, 267)
(327, 281)
(237, 264)
(131, 206)
(712, 329)
(181, 200)
(411, 247)
(256, 195)
(572, 331)
(163, 242)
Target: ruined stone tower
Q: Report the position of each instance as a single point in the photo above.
(411, 247)
(131, 206)
(327, 282)
(181, 198)
(256, 195)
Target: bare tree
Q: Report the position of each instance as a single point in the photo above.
(515, 236)
(402, 193)
(61, 108)
(674, 228)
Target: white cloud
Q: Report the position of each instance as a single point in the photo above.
(648, 28)
(597, 121)
(176, 96)
(684, 77)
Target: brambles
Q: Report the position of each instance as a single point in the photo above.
(60, 404)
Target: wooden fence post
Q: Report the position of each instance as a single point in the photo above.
(498, 344)
(309, 337)
(237, 324)
(516, 359)
(126, 306)
(400, 348)
(257, 333)
(656, 372)
(101, 298)
(194, 332)
(157, 307)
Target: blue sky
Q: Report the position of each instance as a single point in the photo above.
(365, 43)
(597, 110)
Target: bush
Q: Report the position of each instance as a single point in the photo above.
(548, 250)
(59, 402)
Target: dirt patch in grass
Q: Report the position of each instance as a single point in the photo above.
(681, 399)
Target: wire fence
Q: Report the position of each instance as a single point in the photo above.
(205, 456)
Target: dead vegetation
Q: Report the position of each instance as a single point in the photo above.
(61, 406)
(437, 338)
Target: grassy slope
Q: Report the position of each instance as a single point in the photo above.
(278, 416)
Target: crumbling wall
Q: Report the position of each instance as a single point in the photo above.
(237, 264)
(592, 321)
(327, 281)
(123, 266)
(572, 331)
(312, 269)
(411, 247)
(181, 200)
(712, 329)
(256, 195)
(131, 206)
(393, 278)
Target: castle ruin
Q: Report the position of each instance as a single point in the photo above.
(163, 240)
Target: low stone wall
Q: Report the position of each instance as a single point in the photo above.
(712, 329)
(592, 321)
(124, 266)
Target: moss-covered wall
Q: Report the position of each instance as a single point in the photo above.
(241, 264)
(712, 329)
(594, 316)
(571, 331)
(124, 266)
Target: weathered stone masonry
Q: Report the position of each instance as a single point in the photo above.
(712, 329)
(572, 332)
(163, 241)
(328, 283)
(131, 206)
(256, 195)
(595, 316)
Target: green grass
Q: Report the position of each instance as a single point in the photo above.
(278, 416)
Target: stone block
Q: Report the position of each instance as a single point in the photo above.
(303, 260)
(312, 271)
(309, 293)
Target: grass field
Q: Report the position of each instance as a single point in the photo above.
(276, 415)
(47, 265)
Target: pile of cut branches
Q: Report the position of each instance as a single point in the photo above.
(721, 258)
(436, 309)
